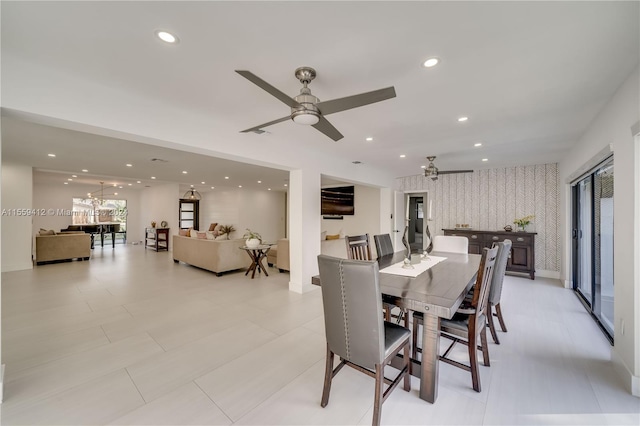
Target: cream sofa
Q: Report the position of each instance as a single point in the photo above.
(64, 246)
(213, 255)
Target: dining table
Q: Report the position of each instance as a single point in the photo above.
(435, 288)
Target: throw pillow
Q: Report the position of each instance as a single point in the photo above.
(184, 232)
(193, 233)
(323, 235)
(201, 235)
(333, 237)
(217, 228)
(221, 237)
(211, 235)
(212, 227)
(341, 234)
(47, 232)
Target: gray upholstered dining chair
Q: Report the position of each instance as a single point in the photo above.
(504, 252)
(469, 323)
(383, 244)
(355, 329)
(451, 244)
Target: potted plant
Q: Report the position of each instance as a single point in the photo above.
(523, 222)
(253, 239)
(226, 230)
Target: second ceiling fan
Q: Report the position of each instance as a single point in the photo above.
(307, 109)
(431, 171)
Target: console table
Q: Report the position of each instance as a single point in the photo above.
(523, 249)
(156, 239)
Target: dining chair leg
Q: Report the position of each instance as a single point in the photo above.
(407, 364)
(499, 314)
(492, 326)
(377, 404)
(473, 356)
(485, 347)
(328, 375)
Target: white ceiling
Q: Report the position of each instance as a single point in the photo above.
(530, 76)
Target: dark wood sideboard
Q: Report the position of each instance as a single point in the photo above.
(523, 258)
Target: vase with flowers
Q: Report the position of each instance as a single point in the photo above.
(523, 222)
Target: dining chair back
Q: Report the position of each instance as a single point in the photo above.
(354, 327)
(504, 252)
(383, 244)
(451, 244)
(358, 247)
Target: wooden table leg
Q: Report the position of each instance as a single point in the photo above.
(430, 358)
(262, 256)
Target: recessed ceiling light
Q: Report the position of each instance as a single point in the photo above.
(477, 144)
(115, 193)
(66, 183)
(74, 176)
(120, 187)
(213, 187)
(192, 186)
(268, 189)
(239, 186)
(431, 62)
(138, 182)
(259, 181)
(424, 167)
(226, 177)
(462, 119)
(285, 184)
(129, 165)
(129, 184)
(115, 184)
(184, 172)
(369, 139)
(85, 170)
(402, 156)
(51, 155)
(70, 180)
(485, 159)
(167, 37)
(153, 177)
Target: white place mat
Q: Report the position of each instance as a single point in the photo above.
(418, 268)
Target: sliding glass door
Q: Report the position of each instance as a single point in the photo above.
(593, 243)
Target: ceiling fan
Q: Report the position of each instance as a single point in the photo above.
(307, 109)
(433, 172)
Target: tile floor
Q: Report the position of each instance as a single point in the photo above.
(132, 338)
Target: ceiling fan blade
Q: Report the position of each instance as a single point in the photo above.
(450, 172)
(355, 101)
(327, 128)
(269, 88)
(279, 120)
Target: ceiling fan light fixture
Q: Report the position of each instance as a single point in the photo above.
(306, 117)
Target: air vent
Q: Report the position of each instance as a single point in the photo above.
(159, 160)
(357, 162)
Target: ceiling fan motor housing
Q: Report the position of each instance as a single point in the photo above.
(307, 112)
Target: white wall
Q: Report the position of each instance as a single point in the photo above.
(613, 126)
(159, 203)
(260, 211)
(366, 219)
(16, 237)
(56, 195)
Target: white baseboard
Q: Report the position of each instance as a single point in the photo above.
(17, 266)
(543, 273)
(631, 382)
(568, 284)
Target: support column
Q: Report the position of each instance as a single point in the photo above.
(304, 228)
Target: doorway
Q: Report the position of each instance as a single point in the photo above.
(592, 233)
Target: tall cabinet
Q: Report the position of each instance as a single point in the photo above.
(523, 250)
(188, 214)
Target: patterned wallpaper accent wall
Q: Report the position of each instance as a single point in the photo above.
(491, 199)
